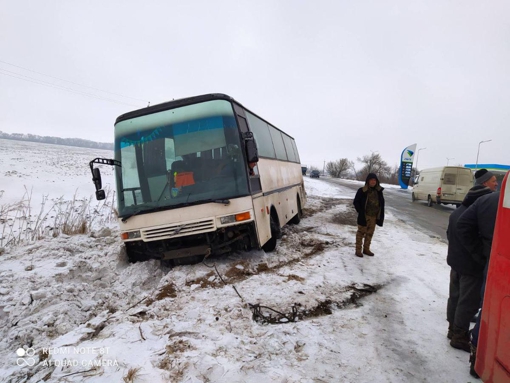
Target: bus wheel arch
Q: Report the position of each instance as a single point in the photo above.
(297, 218)
(274, 225)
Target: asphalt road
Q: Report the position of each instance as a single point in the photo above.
(431, 220)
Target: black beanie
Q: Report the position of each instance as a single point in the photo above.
(482, 175)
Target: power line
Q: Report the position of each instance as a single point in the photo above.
(60, 87)
(71, 82)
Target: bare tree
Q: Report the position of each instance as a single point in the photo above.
(373, 163)
(338, 168)
(355, 172)
(392, 177)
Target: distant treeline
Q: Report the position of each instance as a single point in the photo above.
(57, 140)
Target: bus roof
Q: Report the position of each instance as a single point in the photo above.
(182, 102)
(172, 104)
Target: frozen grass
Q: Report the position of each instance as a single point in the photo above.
(19, 224)
(132, 375)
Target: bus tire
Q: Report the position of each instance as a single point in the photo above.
(429, 201)
(270, 245)
(297, 218)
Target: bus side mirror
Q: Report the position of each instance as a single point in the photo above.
(251, 148)
(96, 178)
(100, 195)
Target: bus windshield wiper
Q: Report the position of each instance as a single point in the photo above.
(222, 201)
(136, 212)
(124, 219)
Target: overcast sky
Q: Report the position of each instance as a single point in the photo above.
(344, 78)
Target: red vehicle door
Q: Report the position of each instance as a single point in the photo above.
(493, 352)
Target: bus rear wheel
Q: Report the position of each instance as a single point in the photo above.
(275, 233)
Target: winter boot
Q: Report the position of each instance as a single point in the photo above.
(460, 339)
(368, 252)
(449, 335)
(472, 360)
(359, 244)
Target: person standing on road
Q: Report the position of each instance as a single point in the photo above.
(466, 275)
(369, 203)
(475, 229)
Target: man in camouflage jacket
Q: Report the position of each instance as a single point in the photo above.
(369, 203)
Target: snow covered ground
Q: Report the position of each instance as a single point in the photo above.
(80, 312)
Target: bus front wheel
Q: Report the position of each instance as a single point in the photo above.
(275, 233)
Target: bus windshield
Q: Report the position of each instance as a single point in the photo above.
(179, 156)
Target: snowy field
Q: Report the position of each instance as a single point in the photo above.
(82, 313)
(40, 184)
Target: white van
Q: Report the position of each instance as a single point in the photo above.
(445, 185)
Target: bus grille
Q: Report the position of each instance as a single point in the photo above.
(178, 230)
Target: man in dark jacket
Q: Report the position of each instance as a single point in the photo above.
(466, 277)
(369, 203)
(475, 229)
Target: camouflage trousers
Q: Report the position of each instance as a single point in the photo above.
(366, 233)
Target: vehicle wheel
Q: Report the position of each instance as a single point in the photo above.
(297, 218)
(134, 256)
(413, 198)
(275, 233)
(429, 201)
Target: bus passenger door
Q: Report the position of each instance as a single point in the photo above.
(254, 178)
(493, 351)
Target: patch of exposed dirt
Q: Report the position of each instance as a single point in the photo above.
(167, 291)
(322, 308)
(353, 296)
(178, 346)
(294, 277)
(239, 270)
(348, 217)
(206, 280)
(325, 204)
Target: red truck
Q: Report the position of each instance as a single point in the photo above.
(493, 352)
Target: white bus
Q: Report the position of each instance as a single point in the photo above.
(199, 176)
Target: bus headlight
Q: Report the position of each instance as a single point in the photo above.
(235, 218)
(131, 235)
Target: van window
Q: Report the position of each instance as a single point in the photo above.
(465, 179)
(449, 179)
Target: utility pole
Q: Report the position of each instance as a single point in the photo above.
(416, 165)
(448, 160)
(481, 142)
